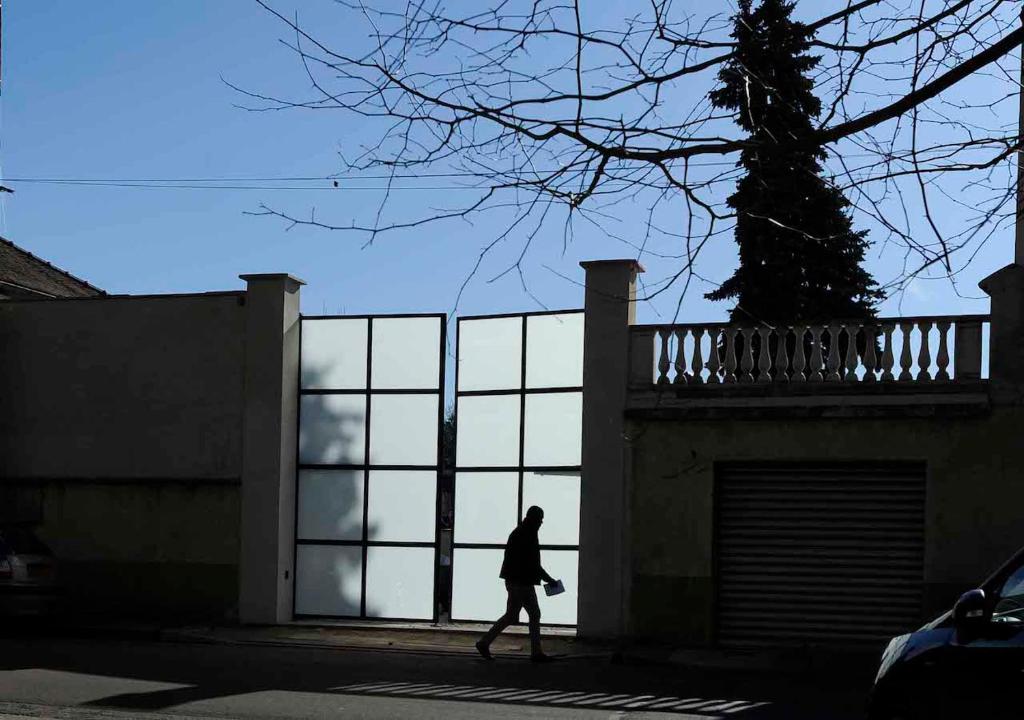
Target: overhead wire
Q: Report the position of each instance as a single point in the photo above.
(338, 181)
(310, 178)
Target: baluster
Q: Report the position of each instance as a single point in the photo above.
(905, 357)
(887, 357)
(852, 361)
(870, 356)
(697, 365)
(730, 355)
(663, 363)
(833, 354)
(714, 361)
(764, 360)
(747, 364)
(942, 359)
(924, 357)
(781, 354)
(799, 361)
(816, 360)
(680, 362)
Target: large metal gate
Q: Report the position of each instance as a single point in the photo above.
(818, 554)
(519, 425)
(370, 414)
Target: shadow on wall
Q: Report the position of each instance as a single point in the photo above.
(155, 550)
(332, 432)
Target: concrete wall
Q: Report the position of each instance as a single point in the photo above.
(155, 550)
(975, 492)
(121, 432)
(135, 387)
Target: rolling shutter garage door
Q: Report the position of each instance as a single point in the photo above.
(818, 554)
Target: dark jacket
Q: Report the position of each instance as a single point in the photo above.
(522, 557)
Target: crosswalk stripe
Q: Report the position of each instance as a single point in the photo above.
(725, 705)
(547, 696)
(686, 704)
(572, 697)
(457, 690)
(629, 698)
(643, 703)
(499, 694)
(440, 689)
(531, 695)
(382, 687)
(552, 697)
(706, 705)
(601, 701)
(746, 706)
(471, 692)
(523, 695)
(585, 696)
(414, 688)
(663, 702)
(360, 687)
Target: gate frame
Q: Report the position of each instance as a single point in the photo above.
(522, 391)
(368, 392)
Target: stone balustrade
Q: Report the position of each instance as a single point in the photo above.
(907, 350)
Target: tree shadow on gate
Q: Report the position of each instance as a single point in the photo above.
(332, 431)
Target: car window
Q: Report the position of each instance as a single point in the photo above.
(1010, 606)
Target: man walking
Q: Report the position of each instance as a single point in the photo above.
(521, 571)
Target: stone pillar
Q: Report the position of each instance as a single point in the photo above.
(270, 423)
(610, 309)
(1006, 337)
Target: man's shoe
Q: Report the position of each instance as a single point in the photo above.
(484, 651)
(541, 658)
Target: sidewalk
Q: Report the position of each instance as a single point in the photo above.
(428, 639)
(459, 640)
(409, 638)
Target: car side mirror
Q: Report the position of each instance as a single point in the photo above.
(970, 610)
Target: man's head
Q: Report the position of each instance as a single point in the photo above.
(534, 517)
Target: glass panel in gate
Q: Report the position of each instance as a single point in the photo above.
(519, 410)
(370, 404)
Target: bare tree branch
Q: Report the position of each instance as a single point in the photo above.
(530, 107)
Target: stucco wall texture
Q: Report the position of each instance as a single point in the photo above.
(121, 434)
(672, 499)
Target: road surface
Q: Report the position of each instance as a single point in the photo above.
(98, 679)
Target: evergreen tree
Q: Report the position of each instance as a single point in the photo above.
(800, 259)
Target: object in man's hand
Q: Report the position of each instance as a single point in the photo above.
(554, 588)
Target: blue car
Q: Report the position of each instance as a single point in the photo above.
(968, 663)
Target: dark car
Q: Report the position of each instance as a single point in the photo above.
(28, 574)
(968, 663)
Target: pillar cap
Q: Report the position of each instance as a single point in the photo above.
(631, 263)
(289, 280)
(1005, 278)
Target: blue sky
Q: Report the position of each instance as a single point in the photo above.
(127, 89)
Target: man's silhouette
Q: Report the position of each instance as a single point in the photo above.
(521, 571)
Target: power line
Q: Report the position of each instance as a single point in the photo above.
(330, 178)
(337, 181)
(185, 186)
